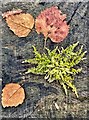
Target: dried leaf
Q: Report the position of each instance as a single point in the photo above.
(8, 13)
(51, 23)
(13, 95)
(20, 23)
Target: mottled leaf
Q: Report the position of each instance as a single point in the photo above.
(51, 23)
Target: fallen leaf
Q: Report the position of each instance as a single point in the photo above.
(51, 23)
(20, 23)
(12, 95)
(13, 12)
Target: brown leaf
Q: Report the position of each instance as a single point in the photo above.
(20, 23)
(51, 23)
(13, 95)
(13, 12)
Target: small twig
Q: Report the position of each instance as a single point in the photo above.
(45, 42)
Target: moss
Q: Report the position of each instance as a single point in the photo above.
(58, 65)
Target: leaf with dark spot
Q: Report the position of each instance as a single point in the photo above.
(51, 23)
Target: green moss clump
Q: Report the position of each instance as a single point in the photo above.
(58, 65)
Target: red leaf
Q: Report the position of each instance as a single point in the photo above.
(51, 23)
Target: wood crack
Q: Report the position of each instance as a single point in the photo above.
(78, 5)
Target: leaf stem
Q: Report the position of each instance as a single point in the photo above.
(45, 42)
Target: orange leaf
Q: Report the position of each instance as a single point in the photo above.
(13, 95)
(51, 23)
(8, 13)
(20, 23)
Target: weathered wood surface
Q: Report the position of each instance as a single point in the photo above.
(40, 95)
